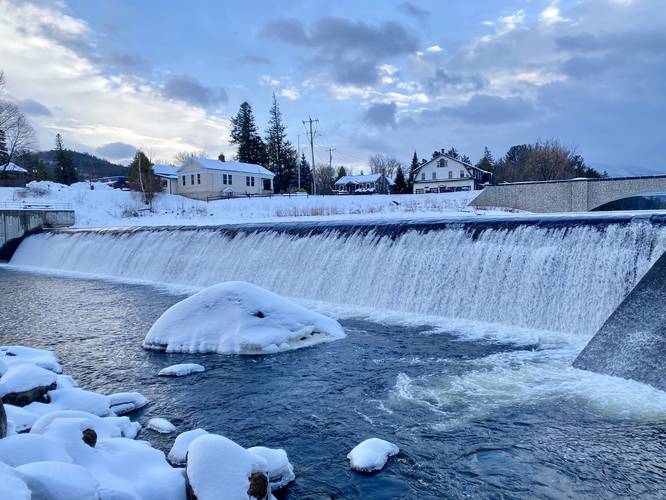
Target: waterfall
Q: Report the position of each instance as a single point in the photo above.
(567, 277)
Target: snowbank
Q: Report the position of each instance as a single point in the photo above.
(239, 318)
(181, 370)
(178, 453)
(371, 455)
(161, 425)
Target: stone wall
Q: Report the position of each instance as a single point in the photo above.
(580, 195)
(15, 224)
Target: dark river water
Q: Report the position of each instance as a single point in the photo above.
(473, 419)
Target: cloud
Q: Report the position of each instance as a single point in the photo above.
(551, 15)
(484, 110)
(434, 49)
(381, 114)
(290, 93)
(190, 91)
(255, 60)
(116, 151)
(414, 10)
(34, 108)
(352, 50)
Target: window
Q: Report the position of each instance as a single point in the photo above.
(198, 178)
(423, 176)
(419, 191)
(247, 181)
(192, 179)
(442, 162)
(184, 180)
(226, 178)
(229, 179)
(252, 181)
(462, 174)
(434, 176)
(267, 184)
(450, 174)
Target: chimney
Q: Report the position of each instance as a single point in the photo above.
(221, 157)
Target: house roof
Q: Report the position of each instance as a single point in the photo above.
(168, 171)
(444, 155)
(357, 179)
(13, 167)
(233, 166)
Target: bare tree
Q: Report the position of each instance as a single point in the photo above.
(325, 178)
(182, 156)
(20, 137)
(387, 165)
(549, 161)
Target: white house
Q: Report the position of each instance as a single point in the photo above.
(363, 184)
(201, 178)
(168, 175)
(445, 173)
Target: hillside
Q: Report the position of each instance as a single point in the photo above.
(86, 164)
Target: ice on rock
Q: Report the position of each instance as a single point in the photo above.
(18, 355)
(181, 370)
(59, 481)
(25, 377)
(178, 453)
(280, 471)
(216, 464)
(161, 425)
(126, 402)
(239, 318)
(371, 455)
(12, 486)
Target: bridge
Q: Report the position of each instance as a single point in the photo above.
(573, 195)
(18, 219)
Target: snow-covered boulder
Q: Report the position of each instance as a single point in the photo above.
(371, 455)
(126, 402)
(178, 453)
(215, 464)
(59, 481)
(17, 355)
(181, 370)
(23, 384)
(239, 318)
(3, 420)
(22, 449)
(280, 471)
(12, 486)
(161, 425)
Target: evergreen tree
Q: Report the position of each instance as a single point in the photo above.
(341, 173)
(251, 148)
(400, 183)
(466, 159)
(40, 172)
(142, 177)
(487, 162)
(65, 172)
(453, 153)
(413, 169)
(282, 160)
(306, 176)
(4, 154)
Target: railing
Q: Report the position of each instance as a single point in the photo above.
(28, 205)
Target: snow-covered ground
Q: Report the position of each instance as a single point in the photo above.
(105, 206)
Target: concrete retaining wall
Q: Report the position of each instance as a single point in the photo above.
(15, 224)
(579, 195)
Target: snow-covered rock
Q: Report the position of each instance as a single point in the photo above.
(371, 454)
(24, 383)
(12, 486)
(239, 318)
(161, 425)
(126, 402)
(59, 481)
(215, 464)
(22, 449)
(178, 453)
(105, 427)
(17, 355)
(280, 471)
(181, 370)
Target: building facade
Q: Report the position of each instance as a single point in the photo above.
(168, 175)
(363, 184)
(444, 173)
(201, 178)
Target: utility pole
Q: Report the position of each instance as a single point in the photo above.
(311, 135)
(330, 157)
(299, 161)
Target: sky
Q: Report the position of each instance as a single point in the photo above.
(381, 76)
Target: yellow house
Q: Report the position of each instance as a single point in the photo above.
(202, 178)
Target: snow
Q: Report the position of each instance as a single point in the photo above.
(59, 481)
(181, 370)
(22, 449)
(239, 318)
(108, 207)
(232, 166)
(103, 426)
(178, 453)
(161, 425)
(126, 402)
(371, 455)
(12, 486)
(24, 377)
(280, 471)
(217, 464)
(18, 355)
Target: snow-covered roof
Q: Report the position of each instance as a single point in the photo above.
(233, 166)
(12, 167)
(357, 179)
(163, 170)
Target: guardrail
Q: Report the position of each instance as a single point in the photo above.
(28, 205)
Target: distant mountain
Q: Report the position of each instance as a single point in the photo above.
(628, 170)
(86, 164)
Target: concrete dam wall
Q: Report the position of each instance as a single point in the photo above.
(15, 224)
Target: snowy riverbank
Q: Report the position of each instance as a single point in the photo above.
(104, 206)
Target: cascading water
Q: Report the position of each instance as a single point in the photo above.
(567, 277)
